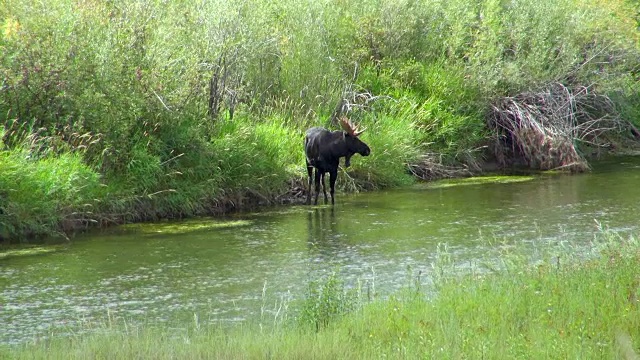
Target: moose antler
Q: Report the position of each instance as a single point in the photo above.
(349, 127)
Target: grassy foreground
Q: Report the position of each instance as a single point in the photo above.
(555, 309)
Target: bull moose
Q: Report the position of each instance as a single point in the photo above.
(323, 150)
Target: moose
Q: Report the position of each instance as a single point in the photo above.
(323, 150)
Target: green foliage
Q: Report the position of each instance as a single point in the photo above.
(560, 306)
(157, 84)
(327, 301)
(36, 196)
(626, 97)
(259, 156)
(450, 111)
(446, 111)
(511, 46)
(393, 143)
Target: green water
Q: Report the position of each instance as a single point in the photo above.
(219, 268)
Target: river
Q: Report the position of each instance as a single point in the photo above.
(235, 268)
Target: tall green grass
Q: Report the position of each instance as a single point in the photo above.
(392, 140)
(43, 196)
(557, 306)
(261, 156)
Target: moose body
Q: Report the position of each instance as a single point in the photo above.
(323, 150)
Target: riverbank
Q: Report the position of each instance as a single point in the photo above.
(173, 111)
(557, 306)
(55, 201)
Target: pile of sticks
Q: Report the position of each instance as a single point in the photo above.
(544, 128)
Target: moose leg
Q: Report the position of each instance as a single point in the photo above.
(310, 172)
(324, 189)
(333, 176)
(318, 176)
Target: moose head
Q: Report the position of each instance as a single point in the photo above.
(354, 144)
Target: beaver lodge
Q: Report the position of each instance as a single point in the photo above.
(543, 129)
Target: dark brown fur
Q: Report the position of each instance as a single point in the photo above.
(323, 149)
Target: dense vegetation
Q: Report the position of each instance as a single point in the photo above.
(558, 308)
(121, 111)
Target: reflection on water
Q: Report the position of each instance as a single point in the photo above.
(323, 237)
(217, 268)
